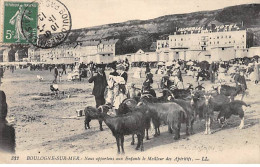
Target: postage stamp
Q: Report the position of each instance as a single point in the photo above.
(17, 15)
(42, 23)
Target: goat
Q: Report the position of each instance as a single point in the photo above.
(127, 124)
(205, 104)
(170, 113)
(89, 115)
(168, 97)
(231, 91)
(232, 108)
(128, 106)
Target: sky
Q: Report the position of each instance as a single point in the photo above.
(89, 13)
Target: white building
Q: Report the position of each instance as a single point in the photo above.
(223, 42)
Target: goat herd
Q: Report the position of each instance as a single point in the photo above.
(135, 115)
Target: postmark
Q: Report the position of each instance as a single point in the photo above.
(54, 24)
(13, 14)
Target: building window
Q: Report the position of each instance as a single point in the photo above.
(234, 41)
(218, 42)
(108, 54)
(226, 36)
(175, 39)
(229, 36)
(217, 37)
(243, 36)
(181, 39)
(229, 41)
(222, 36)
(223, 48)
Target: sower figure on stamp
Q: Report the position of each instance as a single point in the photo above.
(17, 20)
(7, 132)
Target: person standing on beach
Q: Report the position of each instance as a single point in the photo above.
(56, 73)
(100, 84)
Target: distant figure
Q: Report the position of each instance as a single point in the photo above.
(7, 132)
(212, 70)
(63, 69)
(60, 76)
(56, 73)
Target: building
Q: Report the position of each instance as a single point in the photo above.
(223, 42)
(205, 38)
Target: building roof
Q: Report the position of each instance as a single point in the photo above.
(90, 43)
(109, 42)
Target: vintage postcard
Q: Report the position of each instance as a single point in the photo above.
(129, 82)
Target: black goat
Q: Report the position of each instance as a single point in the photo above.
(128, 106)
(127, 124)
(170, 113)
(231, 91)
(205, 104)
(90, 114)
(186, 105)
(232, 108)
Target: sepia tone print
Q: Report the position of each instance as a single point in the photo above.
(100, 82)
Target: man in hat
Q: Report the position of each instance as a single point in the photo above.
(100, 84)
(7, 132)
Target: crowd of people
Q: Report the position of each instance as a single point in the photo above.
(112, 89)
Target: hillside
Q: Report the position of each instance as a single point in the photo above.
(139, 34)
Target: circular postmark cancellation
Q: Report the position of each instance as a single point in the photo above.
(53, 24)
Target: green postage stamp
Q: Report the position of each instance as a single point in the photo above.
(20, 22)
